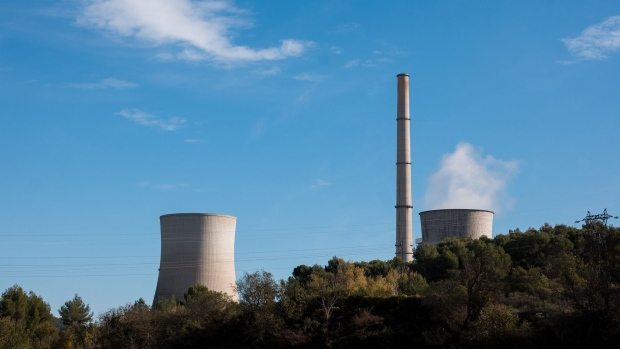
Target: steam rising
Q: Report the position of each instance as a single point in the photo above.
(466, 179)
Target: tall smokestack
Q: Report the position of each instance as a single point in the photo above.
(404, 239)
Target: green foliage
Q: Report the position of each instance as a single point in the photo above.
(302, 273)
(195, 291)
(27, 318)
(257, 289)
(496, 324)
(412, 284)
(167, 304)
(549, 287)
(75, 312)
(141, 303)
(130, 326)
(11, 334)
(75, 315)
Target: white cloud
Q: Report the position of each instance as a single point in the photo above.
(310, 77)
(203, 29)
(112, 83)
(319, 183)
(143, 118)
(468, 180)
(596, 41)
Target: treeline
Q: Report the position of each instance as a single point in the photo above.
(548, 287)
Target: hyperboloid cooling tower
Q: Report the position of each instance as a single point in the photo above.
(438, 225)
(196, 248)
(404, 237)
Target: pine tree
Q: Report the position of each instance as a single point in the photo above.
(76, 316)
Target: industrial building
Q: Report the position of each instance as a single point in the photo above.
(196, 248)
(438, 225)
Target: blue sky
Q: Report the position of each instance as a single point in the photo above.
(282, 113)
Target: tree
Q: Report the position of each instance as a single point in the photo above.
(207, 314)
(483, 268)
(29, 316)
(258, 289)
(131, 326)
(329, 288)
(475, 273)
(340, 279)
(76, 316)
(258, 293)
(496, 324)
(412, 284)
(9, 333)
(141, 303)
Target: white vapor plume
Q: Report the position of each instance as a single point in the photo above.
(466, 179)
(203, 30)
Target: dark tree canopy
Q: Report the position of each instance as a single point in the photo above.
(556, 286)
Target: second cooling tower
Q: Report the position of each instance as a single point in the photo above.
(438, 225)
(196, 248)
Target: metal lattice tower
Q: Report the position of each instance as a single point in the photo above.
(603, 218)
(599, 240)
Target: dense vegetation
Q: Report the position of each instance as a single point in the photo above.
(547, 287)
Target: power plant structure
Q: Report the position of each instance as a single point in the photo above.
(438, 225)
(404, 219)
(196, 248)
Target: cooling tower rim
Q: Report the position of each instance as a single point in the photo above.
(197, 214)
(457, 209)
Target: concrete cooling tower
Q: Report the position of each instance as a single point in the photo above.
(438, 225)
(196, 248)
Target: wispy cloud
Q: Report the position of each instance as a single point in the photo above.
(143, 118)
(258, 128)
(360, 63)
(345, 28)
(388, 54)
(466, 179)
(162, 186)
(166, 186)
(303, 97)
(111, 83)
(310, 77)
(319, 183)
(336, 50)
(267, 71)
(596, 41)
(202, 29)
